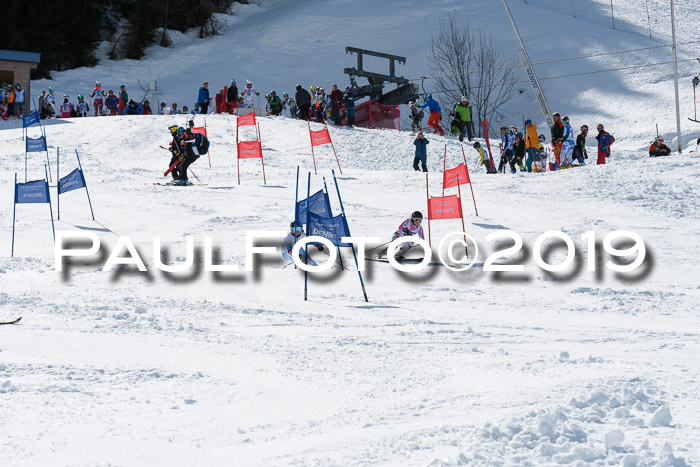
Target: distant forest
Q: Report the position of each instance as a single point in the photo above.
(67, 32)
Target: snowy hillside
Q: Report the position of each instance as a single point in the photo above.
(131, 368)
(438, 368)
(280, 43)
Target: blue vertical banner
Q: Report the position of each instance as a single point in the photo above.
(73, 181)
(34, 192)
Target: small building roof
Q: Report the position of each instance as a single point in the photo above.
(17, 56)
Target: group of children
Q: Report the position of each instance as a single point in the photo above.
(104, 103)
(11, 101)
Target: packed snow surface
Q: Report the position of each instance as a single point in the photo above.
(439, 367)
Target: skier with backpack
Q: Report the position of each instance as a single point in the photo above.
(303, 99)
(605, 140)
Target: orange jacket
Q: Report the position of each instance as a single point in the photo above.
(532, 140)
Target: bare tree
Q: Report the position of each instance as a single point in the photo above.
(471, 65)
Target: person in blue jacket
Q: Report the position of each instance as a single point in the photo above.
(133, 108)
(435, 114)
(203, 98)
(421, 152)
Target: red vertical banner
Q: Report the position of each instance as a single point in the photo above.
(485, 126)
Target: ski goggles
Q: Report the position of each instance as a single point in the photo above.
(417, 220)
(297, 229)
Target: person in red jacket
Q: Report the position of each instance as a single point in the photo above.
(658, 148)
(123, 99)
(336, 101)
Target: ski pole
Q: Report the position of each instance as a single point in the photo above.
(195, 176)
(367, 251)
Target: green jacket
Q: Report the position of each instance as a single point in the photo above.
(463, 111)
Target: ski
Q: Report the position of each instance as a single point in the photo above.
(404, 261)
(693, 120)
(172, 184)
(11, 322)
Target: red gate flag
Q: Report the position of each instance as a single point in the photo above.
(444, 207)
(320, 137)
(199, 129)
(248, 119)
(249, 150)
(457, 176)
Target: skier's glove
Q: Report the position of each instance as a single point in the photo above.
(406, 232)
(320, 247)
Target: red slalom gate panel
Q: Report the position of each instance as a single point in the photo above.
(249, 150)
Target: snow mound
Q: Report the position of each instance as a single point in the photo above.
(590, 429)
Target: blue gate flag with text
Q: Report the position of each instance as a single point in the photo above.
(32, 192)
(36, 144)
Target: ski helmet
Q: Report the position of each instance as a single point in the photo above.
(296, 226)
(411, 103)
(97, 84)
(173, 129)
(541, 138)
(584, 127)
(181, 132)
(477, 145)
(285, 95)
(504, 128)
(565, 119)
(248, 82)
(513, 130)
(80, 96)
(528, 122)
(463, 99)
(417, 215)
(50, 89)
(519, 135)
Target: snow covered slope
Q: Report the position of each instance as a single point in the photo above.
(438, 367)
(177, 369)
(281, 43)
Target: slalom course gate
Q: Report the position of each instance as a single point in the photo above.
(249, 149)
(444, 207)
(319, 138)
(73, 181)
(457, 176)
(36, 191)
(316, 212)
(34, 144)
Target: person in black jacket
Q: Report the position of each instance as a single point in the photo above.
(557, 137)
(580, 149)
(658, 148)
(232, 97)
(518, 153)
(303, 99)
